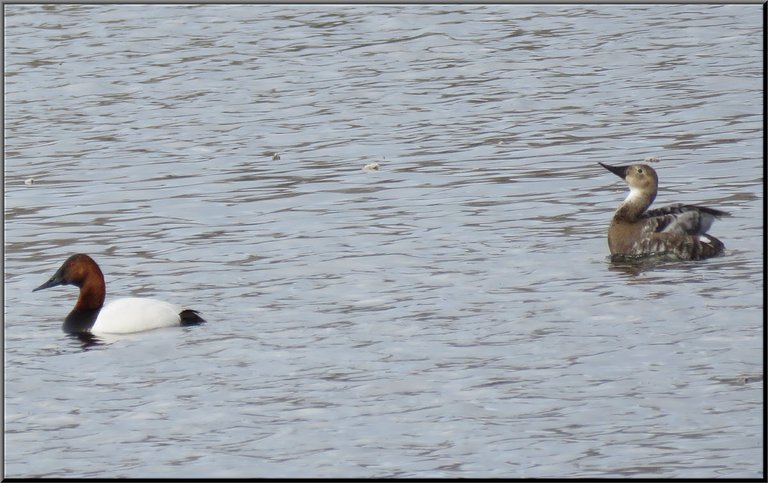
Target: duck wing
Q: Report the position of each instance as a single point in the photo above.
(683, 247)
(682, 219)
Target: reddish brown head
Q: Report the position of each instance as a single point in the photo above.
(81, 271)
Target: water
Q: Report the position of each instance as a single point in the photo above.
(453, 314)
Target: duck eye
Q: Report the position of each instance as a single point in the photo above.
(640, 170)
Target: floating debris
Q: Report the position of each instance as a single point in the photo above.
(30, 181)
(651, 159)
(371, 167)
(275, 157)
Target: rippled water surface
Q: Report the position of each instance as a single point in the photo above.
(452, 314)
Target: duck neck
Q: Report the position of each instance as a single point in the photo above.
(88, 306)
(634, 206)
(92, 293)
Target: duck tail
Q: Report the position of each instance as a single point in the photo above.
(709, 246)
(191, 317)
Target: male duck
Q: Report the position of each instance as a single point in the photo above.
(122, 316)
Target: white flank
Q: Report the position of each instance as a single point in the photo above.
(127, 315)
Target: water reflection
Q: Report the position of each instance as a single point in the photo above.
(90, 341)
(637, 265)
(87, 340)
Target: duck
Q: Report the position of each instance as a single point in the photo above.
(678, 231)
(121, 316)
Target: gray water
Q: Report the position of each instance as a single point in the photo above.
(453, 314)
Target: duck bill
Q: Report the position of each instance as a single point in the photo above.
(620, 171)
(54, 281)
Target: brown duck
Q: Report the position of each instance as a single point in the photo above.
(679, 230)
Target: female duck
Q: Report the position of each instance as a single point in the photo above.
(679, 230)
(121, 316)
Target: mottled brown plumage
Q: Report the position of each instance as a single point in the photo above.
(677, 230)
